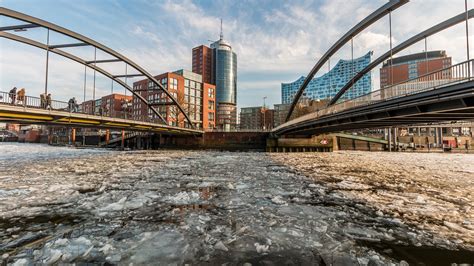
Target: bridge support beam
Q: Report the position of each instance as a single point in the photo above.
(389, 139)
(123, 140)
(395, 138)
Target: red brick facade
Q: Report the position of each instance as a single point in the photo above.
(112, 105)
(109, 105)
(191, 95)
(202, 63)
(415, 63)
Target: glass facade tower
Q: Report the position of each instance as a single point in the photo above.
(329, 84)
(225, 76)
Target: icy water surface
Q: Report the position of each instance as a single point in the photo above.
(211, 208)
(11, 152)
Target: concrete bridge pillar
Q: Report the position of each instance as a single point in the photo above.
(335, 143)
(107, 136)
(73, 136)
(395, 138)
(440, 136)
(389, 139)
(123, 140)
(50, 136)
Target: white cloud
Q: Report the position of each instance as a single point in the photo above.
(288, 38)
(370, 40)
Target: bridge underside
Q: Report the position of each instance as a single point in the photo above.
(14, 113)
(451, 103)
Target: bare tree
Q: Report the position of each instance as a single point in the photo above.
(182, 100)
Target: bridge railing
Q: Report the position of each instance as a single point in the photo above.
(457, 73)
(447, 76)
(31, 101)
(27, 101)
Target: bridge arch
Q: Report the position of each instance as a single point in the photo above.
(85, 41)
(420, 36)
(366, 22)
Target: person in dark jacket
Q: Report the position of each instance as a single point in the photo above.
(49, 101)
(13, 95)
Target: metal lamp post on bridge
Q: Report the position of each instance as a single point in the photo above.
(264, 112)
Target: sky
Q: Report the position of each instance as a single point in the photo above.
(276, 41)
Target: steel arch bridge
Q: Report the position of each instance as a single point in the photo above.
(33, 22)
(362, 111)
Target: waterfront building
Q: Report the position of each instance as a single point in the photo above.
(411, 66)
(113, 105)
(195, 96)
(218, 65)
(281, 110)
(329, 84)
(14, 127)
(260, 118)
(110, 105)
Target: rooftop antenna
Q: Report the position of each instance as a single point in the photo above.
(222, 34)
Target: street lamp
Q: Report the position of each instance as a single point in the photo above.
(263, 111)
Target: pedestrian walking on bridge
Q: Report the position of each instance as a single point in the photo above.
(21, 96)
(48, 102)
(43, 100)
(13, 95)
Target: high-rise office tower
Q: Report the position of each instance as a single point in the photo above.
(221, 64)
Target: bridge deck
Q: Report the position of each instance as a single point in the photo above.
(449, 103)
(16, 113)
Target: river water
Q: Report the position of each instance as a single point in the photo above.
(64, 205)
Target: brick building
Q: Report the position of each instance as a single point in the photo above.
(412, 66)
(202, 63)
(195, 96)
(256, 118)
(111, 105)
(12, 127)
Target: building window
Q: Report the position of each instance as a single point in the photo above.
(210, 105)
(210, 92)
(210, 116)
